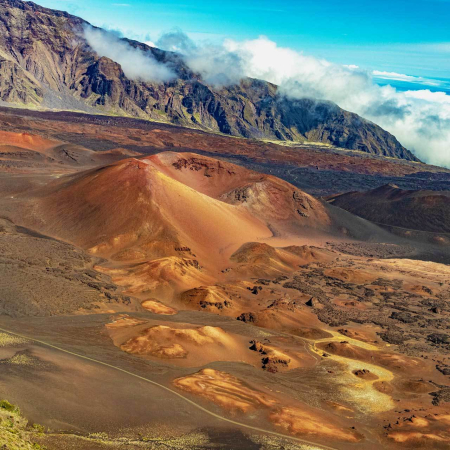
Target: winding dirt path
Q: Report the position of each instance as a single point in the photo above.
(192, 403)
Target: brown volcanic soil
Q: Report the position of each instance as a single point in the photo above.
(153, 214)
(43, 276)
(316, 169)
(164, 237)
(157, 307)
(309, 341)
(158, 212)
(30, 153)
(390, 205)
(269, 198)
(231, 393)
(262, 260)
(183, 344)
(162, 277)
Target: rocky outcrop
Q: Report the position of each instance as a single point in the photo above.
(47, 62)
(16, 86)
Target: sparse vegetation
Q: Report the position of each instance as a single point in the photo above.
(20, 359)
(7, 339)
(99, 436)
(15, 434)
(38, 428)
(5, 405)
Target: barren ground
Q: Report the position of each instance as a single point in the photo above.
(179, 301)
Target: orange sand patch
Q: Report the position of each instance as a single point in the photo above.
(420, 422)
(365, 374)
(311, 333)
(28, 141)
(156, 307)
(124, 320)
(417, 386)
(285, 317)
(146, 205)
(272, 200)
(351, 275)
(302, 422)
(405, 436)
(166, 342)
(353, 304)
(443, 418)
(260, 259)
(224, 390)
(390, 360)
(339, 407)
(358, 335)
(420, 431)
(208, 298)
(153, 249)
(165, 276)
(419, 289)
(273, 359)
(384, 387)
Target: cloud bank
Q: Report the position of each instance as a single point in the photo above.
(215, 63)
(136, 64)
(420, 119)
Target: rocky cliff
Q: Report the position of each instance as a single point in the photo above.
(46, 62)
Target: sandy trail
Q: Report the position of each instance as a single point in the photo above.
(196, 405)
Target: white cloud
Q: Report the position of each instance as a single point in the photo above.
(396, 76)
(419, 119)
(135, 63)
(215, 63)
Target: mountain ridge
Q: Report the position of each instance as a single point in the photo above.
(47, 63)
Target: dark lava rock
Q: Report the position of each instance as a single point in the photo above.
(255, 289)
(279, 279)
(392, 337)
(441, 396)
(403, 316)
(439, 338)
(313, 302)
(248, 317)
(443, 368)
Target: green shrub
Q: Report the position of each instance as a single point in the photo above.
(38, 428)
(4, 404)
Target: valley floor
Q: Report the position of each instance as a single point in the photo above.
(179, 301)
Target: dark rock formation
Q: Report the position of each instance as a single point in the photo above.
(47, 62)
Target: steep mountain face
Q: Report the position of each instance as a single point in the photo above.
(45, 61)
(16, 86)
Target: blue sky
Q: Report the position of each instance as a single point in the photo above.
(404, 36)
